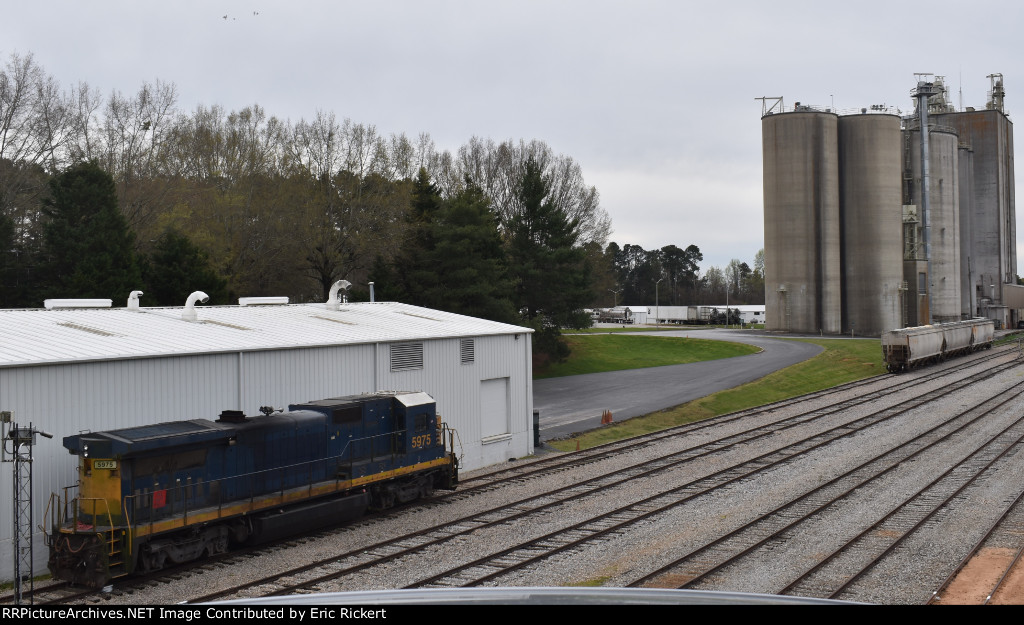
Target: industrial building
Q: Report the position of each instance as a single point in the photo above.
(70, 370)
(876, 220)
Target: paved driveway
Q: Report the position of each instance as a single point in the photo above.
(575, 403)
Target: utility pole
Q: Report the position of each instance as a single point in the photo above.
(615, 296)
(657, 307)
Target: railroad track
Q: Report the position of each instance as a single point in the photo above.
(498, 477)
(498, 564)
(993, 571)
(719, 449)
(698, 568)
(495, 564)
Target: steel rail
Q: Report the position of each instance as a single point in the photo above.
(780, 510)
(583, 527)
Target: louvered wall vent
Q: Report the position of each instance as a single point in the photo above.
(467, 349)
(407, 357)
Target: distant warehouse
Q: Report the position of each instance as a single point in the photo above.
(70, 370)
(748, 313)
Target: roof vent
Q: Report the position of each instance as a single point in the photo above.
(133, 300)
(332, 298)
(189, 313)
(231, 416)
(262, 301)
(77, 303)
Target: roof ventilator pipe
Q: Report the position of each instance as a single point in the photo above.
(133, 300)
(332, 298)
(189, 313)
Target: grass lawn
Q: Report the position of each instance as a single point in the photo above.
(611, 352)
(844, 360)
(662, 328)
(626, 328)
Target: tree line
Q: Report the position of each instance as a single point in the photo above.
(671, 276)
(243, 203)
(272, 207)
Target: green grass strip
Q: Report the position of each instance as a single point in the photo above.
(844, 360)
(598, 353)
(626, 328)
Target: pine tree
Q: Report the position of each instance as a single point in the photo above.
(468, 260)
(452, 258)
(10, 296)
(550, 275)
(88, 250)
(176, 268)
(410, 276)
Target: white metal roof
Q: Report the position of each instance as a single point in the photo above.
(35, 336)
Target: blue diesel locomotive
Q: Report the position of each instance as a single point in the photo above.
(154, 495)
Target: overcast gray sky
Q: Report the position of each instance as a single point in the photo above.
(654, 99)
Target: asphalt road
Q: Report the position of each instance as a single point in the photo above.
(575, 403)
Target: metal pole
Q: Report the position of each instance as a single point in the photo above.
(22, 520)
(21, 441)
(657, 305)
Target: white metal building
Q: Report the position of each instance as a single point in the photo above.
(70, 370)
(638, 314)
(752, 313)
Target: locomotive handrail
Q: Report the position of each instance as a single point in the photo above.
(51, 513)
(76, 507)
(177, 502)
(134, 504)
(58, 516)
(128, 525)
(67, 502)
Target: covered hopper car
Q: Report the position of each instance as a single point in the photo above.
(911, 347)
(168, 493)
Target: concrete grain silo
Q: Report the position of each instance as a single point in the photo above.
(992, 212)
(870, 198)
(943, 285)
(802, 223)
(861, 236)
